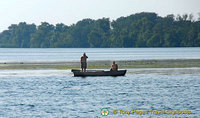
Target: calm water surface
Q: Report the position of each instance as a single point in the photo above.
(73, 54)
(56, 93)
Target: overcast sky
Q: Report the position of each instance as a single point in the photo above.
(71, 11)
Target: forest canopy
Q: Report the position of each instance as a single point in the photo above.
(137, 30)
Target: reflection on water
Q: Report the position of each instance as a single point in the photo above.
(56, 93)
(130, 72)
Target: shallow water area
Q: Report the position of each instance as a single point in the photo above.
(56, 93)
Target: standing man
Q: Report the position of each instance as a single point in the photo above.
(84, 62)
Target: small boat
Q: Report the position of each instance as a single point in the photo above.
(98, 73)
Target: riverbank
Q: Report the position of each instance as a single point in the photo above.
(168, 63)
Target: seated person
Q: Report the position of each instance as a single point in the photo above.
(114, 67)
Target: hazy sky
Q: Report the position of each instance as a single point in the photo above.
(71, 11)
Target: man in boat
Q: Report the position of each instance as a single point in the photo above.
(84, 62)
(114, 67)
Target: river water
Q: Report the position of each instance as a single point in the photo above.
(56, 93)
(73, 54)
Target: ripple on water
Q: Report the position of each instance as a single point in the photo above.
(67, 96)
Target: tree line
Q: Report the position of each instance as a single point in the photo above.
(137, 30)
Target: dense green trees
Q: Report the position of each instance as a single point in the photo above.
(17, 35)
(137, 30)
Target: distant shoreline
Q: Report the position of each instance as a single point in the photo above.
(105, 64)
(142, 29)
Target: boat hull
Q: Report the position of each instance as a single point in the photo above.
(98, 73)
